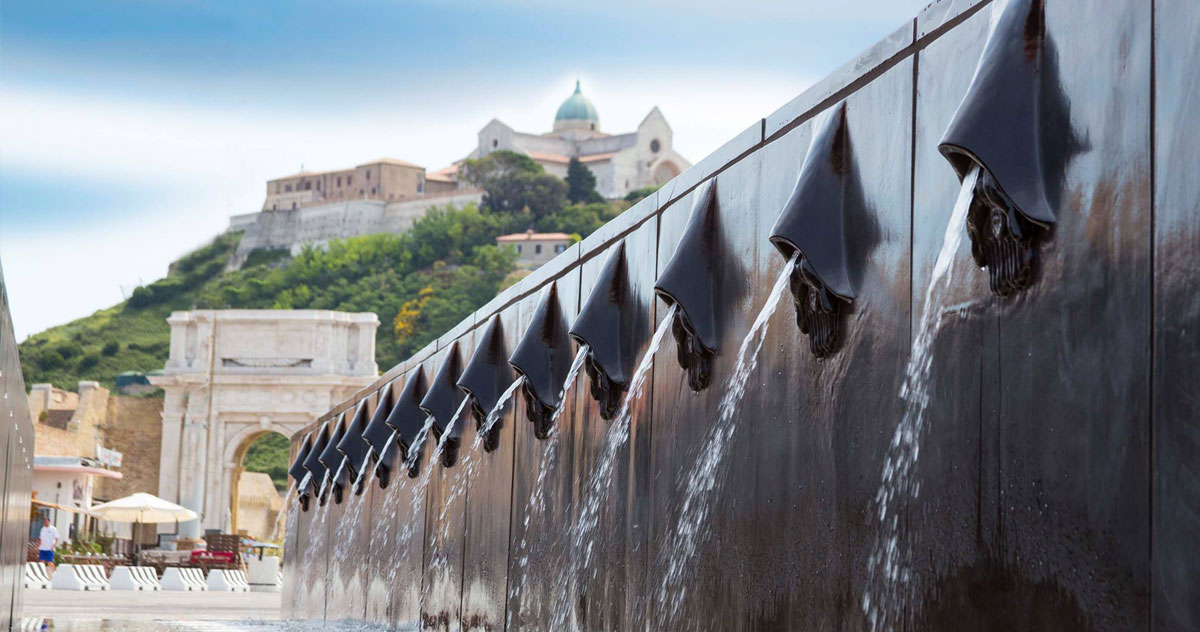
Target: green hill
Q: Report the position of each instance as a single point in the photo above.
(419, 284)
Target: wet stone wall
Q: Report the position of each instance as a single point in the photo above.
(16, 468)
(958, 406)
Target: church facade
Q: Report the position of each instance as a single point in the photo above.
(621, 162)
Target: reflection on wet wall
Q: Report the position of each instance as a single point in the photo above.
(16, 467)
(972, 409)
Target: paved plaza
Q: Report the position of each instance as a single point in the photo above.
(62, 605)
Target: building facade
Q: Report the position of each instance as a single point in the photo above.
(385, 180)
(621, 162)
(534, 249)
(234, 375)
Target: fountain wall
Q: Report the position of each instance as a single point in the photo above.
(1054, 483)
(16, 468)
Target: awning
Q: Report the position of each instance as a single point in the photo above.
(42, 503)
(81, 469)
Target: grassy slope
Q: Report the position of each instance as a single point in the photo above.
(137, 339)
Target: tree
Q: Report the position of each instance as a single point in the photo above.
(581, 184)
(637, 195)
(513, 183)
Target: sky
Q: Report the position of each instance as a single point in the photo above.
(131, 130)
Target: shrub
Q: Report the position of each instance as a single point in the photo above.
(89, 360)
(111, 348)
(68, 350)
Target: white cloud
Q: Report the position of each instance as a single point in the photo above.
(214, 162)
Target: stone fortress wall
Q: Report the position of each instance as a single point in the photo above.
(293, 228)
(1039, 476)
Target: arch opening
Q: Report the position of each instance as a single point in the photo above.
(259, 483)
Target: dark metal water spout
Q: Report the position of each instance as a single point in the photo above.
(813, 224)
(406, 419)
(999, 127)
(544, 357)
(297, 471)
(334, 482)
(689, 282)
(377, 436)
(442, 402)
(485, 378)
(605, 325)
(312, 463)
(353, 447)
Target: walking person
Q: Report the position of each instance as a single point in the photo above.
(49, 540)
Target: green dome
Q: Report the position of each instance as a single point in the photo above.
(576, 108)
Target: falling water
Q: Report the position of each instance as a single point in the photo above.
(459, 486)
(415, 515)
(287, 498)
(600, 484)
(536, 507)
(701, 479)
(883, 596)
(343, 595)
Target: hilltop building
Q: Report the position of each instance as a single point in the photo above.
(389, 195)
(621, 162)
(382, 180)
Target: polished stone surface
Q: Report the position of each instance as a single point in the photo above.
(1047, 477)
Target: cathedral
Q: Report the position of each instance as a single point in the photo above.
(620, 162)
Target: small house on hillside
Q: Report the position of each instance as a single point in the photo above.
(534, 249)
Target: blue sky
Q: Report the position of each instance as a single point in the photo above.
(131, 130)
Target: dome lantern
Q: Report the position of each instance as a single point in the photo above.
(576, 113)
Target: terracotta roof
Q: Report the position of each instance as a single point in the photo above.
(538, 155)
(380, 161)
(445, 174)
(597, 157)
(529, 235)
(392, 161)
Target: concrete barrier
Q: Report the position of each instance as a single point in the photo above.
(37, 575)
(133, 578)
(79, 577)
(180, 579)
(221, 580)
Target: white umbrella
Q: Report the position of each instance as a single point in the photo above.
(143, 508)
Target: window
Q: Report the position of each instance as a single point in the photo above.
(288, 188)
(318, 185)
(349, 180)
(372, 190)
(339, 181)
(421, 184)
(308, 186)
(293, 206)
(518, 248)
(495, 142)
(368, 176)
(559, 248)
(655, 145)
(537, 250)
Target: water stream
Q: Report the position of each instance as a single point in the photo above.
(884, 596)
(279, 518)
(458, 487)
(700, 481)
(535, 513)
(579, 562)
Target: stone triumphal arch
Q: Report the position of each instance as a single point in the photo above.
(233, 375)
